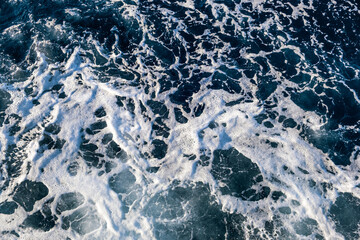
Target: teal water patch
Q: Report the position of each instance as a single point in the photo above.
(238, 174)
(345, 212)
(124, 184)
(43, 219)
(69, 201)
(8, 207)
(82, 221)
(191, 213)
(28, 193)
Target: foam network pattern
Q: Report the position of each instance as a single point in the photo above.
(187, 119)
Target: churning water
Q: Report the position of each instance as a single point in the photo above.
(186, 119)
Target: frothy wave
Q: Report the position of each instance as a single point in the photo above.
(179, 120)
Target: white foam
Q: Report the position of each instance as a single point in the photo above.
(75, 112)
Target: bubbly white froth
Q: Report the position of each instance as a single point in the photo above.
(236, 128)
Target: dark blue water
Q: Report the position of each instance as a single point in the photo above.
(179, 119)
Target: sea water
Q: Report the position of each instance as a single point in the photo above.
(186, 119)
